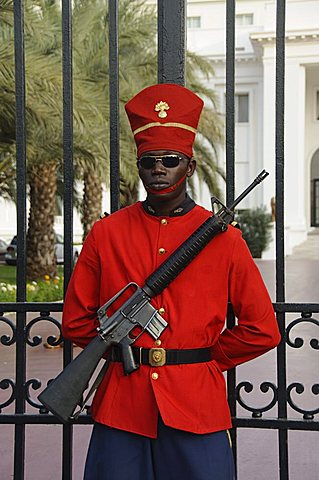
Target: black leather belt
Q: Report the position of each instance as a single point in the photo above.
(157, 357)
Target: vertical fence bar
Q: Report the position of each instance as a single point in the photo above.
(230, 100)
(230, 176)
(171, 31)
(67, 452)
(20, 370)
(279, 138)
(114, 105)
(280, 252)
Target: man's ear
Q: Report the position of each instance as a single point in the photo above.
(191, 167)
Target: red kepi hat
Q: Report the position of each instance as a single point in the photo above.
(164, 117)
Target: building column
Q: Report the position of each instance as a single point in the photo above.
(295, 209)
(295, 194)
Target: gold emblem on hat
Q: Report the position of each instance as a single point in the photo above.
(161, 107)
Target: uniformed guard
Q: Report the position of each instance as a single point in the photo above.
(169, 419)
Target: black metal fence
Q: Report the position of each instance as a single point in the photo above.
(171, 68)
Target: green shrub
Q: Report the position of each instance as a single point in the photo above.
(45, 290)
(255, 225)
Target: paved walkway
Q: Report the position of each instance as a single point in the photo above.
(309, 248)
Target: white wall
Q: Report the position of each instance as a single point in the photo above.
(8, 222)
(312, 127)
(255, 73)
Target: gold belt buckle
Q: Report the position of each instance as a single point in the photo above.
(157, 357)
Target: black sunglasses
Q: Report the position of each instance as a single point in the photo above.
(169, 161)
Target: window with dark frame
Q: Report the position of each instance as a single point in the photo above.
(242, 108)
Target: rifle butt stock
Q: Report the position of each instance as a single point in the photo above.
(64, 393)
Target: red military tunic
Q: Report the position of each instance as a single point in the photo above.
(128, 246)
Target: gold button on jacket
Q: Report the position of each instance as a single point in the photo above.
(161, 251)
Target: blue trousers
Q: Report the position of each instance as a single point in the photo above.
(174, 455)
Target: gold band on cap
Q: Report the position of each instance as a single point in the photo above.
(168, 124)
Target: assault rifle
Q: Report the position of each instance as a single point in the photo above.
(64, 393)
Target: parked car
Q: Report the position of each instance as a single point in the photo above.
(3, 249)
(11, 253)
(59, 249)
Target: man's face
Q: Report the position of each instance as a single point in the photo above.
(160, 177)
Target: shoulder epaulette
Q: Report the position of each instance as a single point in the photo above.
(104, 215)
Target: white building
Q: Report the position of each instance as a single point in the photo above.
(255, 102)
(255, 98)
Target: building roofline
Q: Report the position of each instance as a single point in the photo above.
(290, 36)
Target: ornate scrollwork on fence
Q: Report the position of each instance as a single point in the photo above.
(4, 385)
(299, 388)
(52, 340)
(35, 384)
(306, 317)
(264, 388)
(32, 341)
(6, 339)
(295, 388)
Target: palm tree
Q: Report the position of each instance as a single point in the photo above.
(43, 120)
(46, 163)
(43, 88)
(44, 153)
(7, 102)
(210, 128)
(137, 24)
(7, 172)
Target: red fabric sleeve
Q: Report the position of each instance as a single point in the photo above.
(79, 321)
(256, 331)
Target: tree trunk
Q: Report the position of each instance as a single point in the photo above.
(41, 259)
(92, 201)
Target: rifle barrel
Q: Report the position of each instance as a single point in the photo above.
(253, 184)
